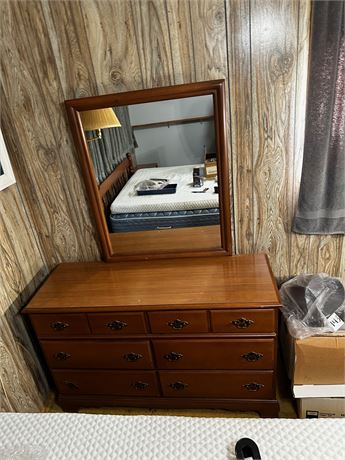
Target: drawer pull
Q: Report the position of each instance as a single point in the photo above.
(140, 385)
(117, 325)
(252, 356)
(178, 386)
(178, 324)
(71, 385)
(62, 355)
(253, 386)
(132, 357)
(173, 356)
(59, 325)
(242, 323)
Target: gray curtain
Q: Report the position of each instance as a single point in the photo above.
(321, 205)
(112, 148)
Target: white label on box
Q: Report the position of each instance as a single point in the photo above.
(335, 322)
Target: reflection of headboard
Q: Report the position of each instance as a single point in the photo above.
(125, 168)
(113, 184)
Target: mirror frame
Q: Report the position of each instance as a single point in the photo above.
(216, 88)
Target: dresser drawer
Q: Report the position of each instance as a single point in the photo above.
(243, 321)
(117, 323)
(217, 384)
(60, 324)
(214, 354)
(97, 355)
(119, 383)
(171, 322)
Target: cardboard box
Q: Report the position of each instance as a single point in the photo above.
(318, 391)
(317, 360)
(321, 407)
(210, 165)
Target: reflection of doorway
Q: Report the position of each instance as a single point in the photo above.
(6, 174)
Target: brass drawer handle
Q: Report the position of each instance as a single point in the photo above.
(140, 385)
(253, 386)
(242, 323)
(173, 356)
(71, 385)
(252, 356)
(178, 385)
(132, 357)
(59, 325)
(117, 325)
(62, 355)
(178, 324)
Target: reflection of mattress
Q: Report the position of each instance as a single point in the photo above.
(100, 437)
(139, 221)
(184, 199)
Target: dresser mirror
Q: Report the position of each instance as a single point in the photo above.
(155, 167)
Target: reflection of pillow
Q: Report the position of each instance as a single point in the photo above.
(151, 184)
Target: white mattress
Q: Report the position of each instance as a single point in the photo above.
(128, 200)
(83, 437)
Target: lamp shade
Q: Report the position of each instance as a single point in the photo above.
(99, 119)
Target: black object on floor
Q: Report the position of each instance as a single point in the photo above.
(247, 448)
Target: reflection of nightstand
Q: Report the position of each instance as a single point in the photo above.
(147, 165)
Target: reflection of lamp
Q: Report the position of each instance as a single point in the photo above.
(97, 120)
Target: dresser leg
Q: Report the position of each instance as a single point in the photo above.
(67, 406)
(269, 410)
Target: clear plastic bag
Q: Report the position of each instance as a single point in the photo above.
(309, 301)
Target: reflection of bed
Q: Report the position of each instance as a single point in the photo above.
(100, 437)
(131, 212)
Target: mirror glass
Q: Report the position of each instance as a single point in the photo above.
(155, 168)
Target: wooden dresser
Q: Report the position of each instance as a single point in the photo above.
(196, 332)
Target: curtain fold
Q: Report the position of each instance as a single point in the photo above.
(112, 148)
(321, 204)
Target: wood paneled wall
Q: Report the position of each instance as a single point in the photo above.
(52, 51)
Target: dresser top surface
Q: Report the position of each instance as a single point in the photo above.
(236, 281)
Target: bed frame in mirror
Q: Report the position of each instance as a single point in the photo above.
(185, 242)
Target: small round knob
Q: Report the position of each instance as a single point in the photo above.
(178, 324)
(173, 356)
(132, 357)
(116, 325)
(178, 385)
